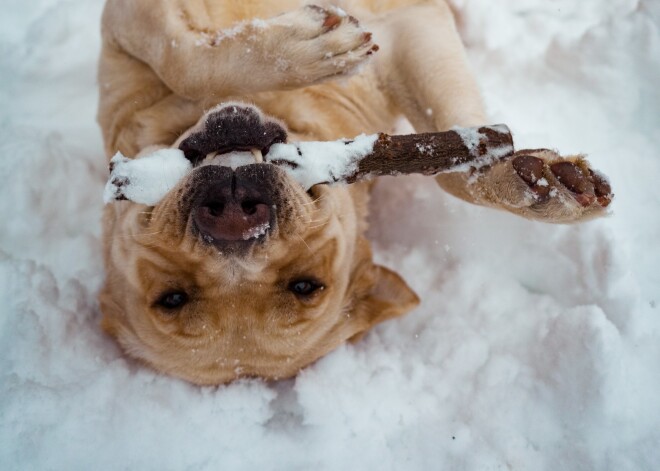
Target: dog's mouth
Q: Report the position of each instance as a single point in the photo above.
(229, 130)
(233, 201)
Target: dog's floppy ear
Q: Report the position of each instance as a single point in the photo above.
(389, 296)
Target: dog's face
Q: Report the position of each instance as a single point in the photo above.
(240, 272)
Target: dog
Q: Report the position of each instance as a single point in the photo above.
(185, 291)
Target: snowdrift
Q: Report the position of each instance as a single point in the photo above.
(536, 346)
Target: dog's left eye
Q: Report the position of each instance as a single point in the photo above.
(305, 288)
(172, 300)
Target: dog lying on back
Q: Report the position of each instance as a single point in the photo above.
(187, 292)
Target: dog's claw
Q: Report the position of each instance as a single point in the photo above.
(373, 49)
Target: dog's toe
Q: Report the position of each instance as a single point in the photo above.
(540, 184)
(325, 43)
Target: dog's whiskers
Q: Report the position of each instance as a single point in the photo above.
(303, 241)
(319, 225)
(316, 200)
(325, 220)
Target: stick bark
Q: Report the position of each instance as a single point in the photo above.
(433, 153)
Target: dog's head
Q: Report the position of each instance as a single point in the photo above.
(240, 271)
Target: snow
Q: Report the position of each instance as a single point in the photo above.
(472, 138)
(310, 163)
(337, 11)
(536, 347)
(256, 231)
(145, 179)
(214, 39)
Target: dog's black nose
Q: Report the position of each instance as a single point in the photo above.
(232, 214)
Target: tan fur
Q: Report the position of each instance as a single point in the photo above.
(162, 64)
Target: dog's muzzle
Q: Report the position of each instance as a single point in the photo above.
(231, 203)
(234, 209)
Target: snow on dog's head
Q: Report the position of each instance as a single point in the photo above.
(238, 270)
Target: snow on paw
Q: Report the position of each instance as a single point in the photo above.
(540, 184)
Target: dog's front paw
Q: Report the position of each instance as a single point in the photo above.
(540, 184)
(313, 44)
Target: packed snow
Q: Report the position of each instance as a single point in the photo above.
(145, 179)
(311, 163)
(535, 347)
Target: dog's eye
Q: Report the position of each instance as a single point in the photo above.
(172, 300)
(305, 288)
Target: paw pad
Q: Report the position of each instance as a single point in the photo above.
(571, 176)
(530, 169)
(585, 185)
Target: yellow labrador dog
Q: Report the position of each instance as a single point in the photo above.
(186, 292)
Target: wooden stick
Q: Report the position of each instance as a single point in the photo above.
(147, 179)
(432, 153)
(312, 163)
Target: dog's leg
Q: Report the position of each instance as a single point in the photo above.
(424, 70)
(292, 50)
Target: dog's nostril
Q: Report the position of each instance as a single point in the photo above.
(215, 209)
(233, 220)
(249, 207)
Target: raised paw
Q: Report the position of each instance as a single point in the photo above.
(540, 184)
(315, 43)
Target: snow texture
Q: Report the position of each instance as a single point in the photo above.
(536, 347)
(256, 231)
(310, 163)
(145, 179)
(471, 139)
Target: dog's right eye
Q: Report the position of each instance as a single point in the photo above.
(172, 300)
(305, 288)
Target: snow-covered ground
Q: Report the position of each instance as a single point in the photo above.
(536, 347)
